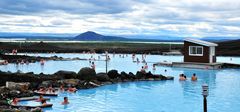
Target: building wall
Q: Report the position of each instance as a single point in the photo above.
(199, 59)
(214, 59)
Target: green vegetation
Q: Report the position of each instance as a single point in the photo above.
(97, 46)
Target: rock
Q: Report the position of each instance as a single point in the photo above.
(2, 109)
(18, 86)
(163, 77)
(9, 93)
(94, 84)
(46, 83)
(170, 78)
(112, 74)
(3, 102)
(149, 75)
(31, 73)
(127, 77)
(38, 109)
(140, 75)
(65, 74)
(72, 82)
(102, 77)
(87, 74)
(131, 75)
(124, 76)
(34, 85)
(86, 85)
(106, 83)
(13, 93)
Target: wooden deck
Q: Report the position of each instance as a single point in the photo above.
(212, 66)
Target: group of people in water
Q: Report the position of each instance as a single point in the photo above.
(144, 68)
(22, 62)
(44, 90)
(183, 77)
(42, 100)
(14, 52)
(50, 89)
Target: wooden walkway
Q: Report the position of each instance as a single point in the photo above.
(198, 65)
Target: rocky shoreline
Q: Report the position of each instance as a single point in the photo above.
(86, 78)
(32, 59)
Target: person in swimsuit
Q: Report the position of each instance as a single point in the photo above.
(65, 101)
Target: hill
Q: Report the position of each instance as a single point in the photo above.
(229, 48)
(92, 36)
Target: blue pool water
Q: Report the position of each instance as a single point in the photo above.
(121, 64)
(146, 96)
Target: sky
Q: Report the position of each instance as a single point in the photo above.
(177, 18)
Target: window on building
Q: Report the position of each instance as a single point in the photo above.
(196, 50)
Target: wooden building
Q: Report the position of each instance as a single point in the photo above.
(199, 51)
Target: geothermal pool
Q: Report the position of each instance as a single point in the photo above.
(121, 64)
(150, 96)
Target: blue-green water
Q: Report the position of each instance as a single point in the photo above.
(150, 96)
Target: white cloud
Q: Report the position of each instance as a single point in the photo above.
(196, 18)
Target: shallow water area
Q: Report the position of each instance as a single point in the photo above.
(144, 96)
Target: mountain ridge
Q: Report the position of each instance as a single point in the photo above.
(93, 36)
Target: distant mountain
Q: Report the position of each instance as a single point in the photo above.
(229, 48)
(92, 36)
(220, 39)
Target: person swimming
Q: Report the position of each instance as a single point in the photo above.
(145, 66)
(99, 57)
(194, 77)
(154, 67)
(5, 62)
(14, 101)
(42, 61)
(108, 58)
(133, 56)
(27, 62)
(62, 87)
(65, 101)
(40, 98)
(138, 60)
(165, 70)
(143, 70)
(22, 62)
(93, 66)
(44, 102)
(50, 89)
(42, 90)
(72, 89)
(182, 77)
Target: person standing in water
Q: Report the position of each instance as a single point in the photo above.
(154, 67)
(15, 101)
(146, 66)
(182, 77)
(65, 101)
(42, 61)
(194, 77)
(44, 102)
(40, 98)
(143, 70)
(93, 66)
(138, 60)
